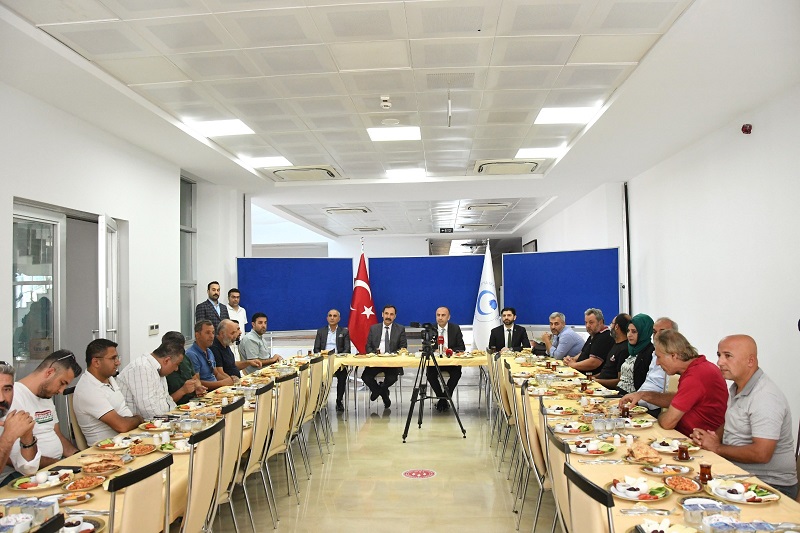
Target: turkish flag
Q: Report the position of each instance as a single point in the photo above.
(362, 308)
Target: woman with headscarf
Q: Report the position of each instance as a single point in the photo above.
(640, 353)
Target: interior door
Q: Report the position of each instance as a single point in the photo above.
(108, 278)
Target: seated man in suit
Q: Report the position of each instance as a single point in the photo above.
(386, 337)
(509, 336)
(454, 340)
(336, 339)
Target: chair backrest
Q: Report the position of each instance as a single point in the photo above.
(205, 466)
(233, 414)
(146, 506)
(263, 419)
(53, 525)
(589, 504)
(559, 456)
(327, 381)
(539, 464)
(516, 413)
(74, 427)
(317, 371)
(301, 397)
(284, 404)
(505, 391)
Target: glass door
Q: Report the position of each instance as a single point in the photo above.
(108, 278)
(37, 274)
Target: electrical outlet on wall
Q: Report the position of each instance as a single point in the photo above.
(152, 329)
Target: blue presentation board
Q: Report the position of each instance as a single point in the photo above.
(418, 285)
(539, 283)
(295, 293)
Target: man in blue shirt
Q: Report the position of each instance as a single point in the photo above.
(211, 376)
(561, 341)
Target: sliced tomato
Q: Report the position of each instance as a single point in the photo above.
(27, 485)
(647, 497)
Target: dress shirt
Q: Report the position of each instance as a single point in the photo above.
(253, 346)
(384, 336)
(568, 342)
(656, 381)
(239, 315)
(330, 342)
(443, 334)
(144, 388)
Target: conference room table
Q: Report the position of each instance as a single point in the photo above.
(783, 510)
(402, 360)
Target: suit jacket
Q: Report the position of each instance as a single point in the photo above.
(205, 311)
(342, 339)
(455, 339)
(519, 338)
(397, 338)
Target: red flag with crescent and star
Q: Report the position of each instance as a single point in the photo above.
(362, 308)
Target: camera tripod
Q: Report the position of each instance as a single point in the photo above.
(420, 390)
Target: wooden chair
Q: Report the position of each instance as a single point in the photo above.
(317, 378)
(303, 385)
(589, 504)
(262, 431)
(285, 391)
(146, 508)
(321, 410)
(559, 456)
(205, 474)
(538, 462)
(74, 427)
(506, 393)
(233, 414)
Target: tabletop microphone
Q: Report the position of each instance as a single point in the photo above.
(440, 342)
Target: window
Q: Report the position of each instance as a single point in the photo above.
(188, 257)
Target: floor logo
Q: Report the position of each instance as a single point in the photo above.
(419, 473)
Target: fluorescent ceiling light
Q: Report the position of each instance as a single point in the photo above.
(220, 128)
(541, 153)
(405, 133)
(565, 115)
(406, 173)
(265, 162)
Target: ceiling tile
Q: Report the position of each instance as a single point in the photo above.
(439, 53)
(237, 90)
(376, 55)
(544, 50)
(216, 65)
(307, 59)
(58, 12)
(102, 40)
(522, 78)
(452, 18)
(274, 27)
(612, 48)
(586, 76)
(141, 70)
(178, 35)
(635, 16)
(537, 17)
(362, 22)
(379, 81)
(141, 9)
(309, 85)
(530, 100)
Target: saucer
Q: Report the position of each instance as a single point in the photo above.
(689, 460)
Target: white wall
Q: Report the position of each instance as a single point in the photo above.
(52, 157)
(378, 247)
(714, 238)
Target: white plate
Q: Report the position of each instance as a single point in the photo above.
(629, 424)
(564, 411)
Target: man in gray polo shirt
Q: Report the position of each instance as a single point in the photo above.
(757, 435)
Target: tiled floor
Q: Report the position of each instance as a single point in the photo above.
(360, 484)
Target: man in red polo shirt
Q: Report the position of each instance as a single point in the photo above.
(702, 396)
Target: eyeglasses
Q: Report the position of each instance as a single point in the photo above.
(114, 358)
(2, 363)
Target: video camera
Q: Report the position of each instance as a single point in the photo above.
(428, 336)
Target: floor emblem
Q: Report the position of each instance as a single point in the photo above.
(419, 473)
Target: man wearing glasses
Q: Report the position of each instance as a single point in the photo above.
(336, 339)
(34, 394)
(18, 449)
(211, 376)
(98, 401)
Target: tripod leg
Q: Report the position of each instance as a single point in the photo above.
(449, 398)
(414, 396)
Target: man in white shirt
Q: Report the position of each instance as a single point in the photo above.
(17, 444)
(239, 315)
(98, 401)
(144, 385)
(34, 394)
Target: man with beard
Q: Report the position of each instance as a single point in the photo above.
(211, 309)
(595, 349)
(17, 443)
(227, 333)
(34, 394)
(98, 401)
(509, 336)
(561, 341)
(254, 346)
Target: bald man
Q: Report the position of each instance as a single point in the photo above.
(757, 434)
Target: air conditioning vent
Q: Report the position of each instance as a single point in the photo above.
(347, 210)
(507, 166)
(312, 173)
(475, 226)
(488, 206)
(369, 229)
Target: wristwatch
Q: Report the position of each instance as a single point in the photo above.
(31, 445)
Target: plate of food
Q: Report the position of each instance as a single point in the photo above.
(387, 355)
(117, 443)
(667, 470)
(560, 410)
(744, 493)
(592, 447)
(638, 423)
(85, 483)
(683, 484)
(466, 355)
(601, 392)
(364, 355)
(101, 463)
(638, 409)
(179, 446)
(69, 498)
(641, 453)
(36, 483)
(540, 391)
(154, 425)
(638, 489)
(609, 437)
(138, 450)
(664, 526)
(85, 524)
(572, 428)
(671, 446)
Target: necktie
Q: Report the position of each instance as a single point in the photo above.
(508, 339)
(386, 340)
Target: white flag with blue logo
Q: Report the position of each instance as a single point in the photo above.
(487, 315)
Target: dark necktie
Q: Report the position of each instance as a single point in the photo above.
(508, 341)
(386, 340)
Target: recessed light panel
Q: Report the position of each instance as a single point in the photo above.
(541, 153)
(565, 115)
(220, 128)
(267, 162)
(406, 173)
(404, 133)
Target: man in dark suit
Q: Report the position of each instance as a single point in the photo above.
(211, 309)
(509, 336)
(335, 338)
(453, 340)
(386, 337)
